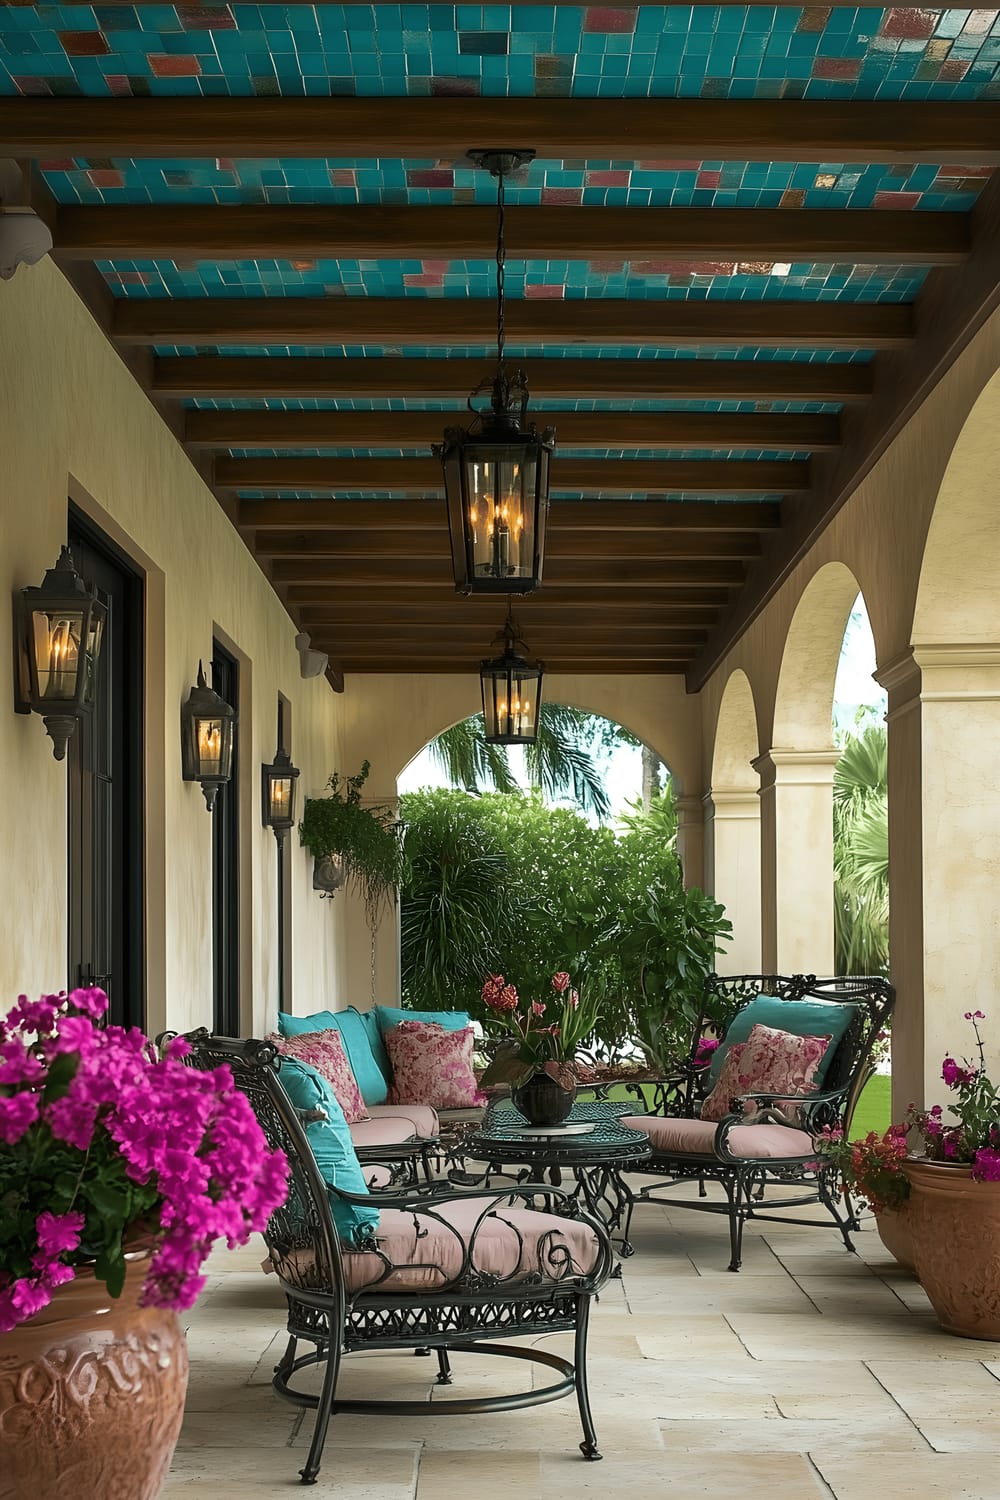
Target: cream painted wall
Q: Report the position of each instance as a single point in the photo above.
(74, 423)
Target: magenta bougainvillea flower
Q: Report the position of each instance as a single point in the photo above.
(104, 1144)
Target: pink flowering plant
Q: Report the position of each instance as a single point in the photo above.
(106, 1147)
(974, 1136)
(542, 1036)
(872, 1167)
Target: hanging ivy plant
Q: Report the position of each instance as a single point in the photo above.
(368, 839)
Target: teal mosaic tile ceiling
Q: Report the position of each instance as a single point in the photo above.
(729, 51)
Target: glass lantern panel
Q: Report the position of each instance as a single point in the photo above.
(56, 638)
(500, 497)
(210, 738)
(281, 799)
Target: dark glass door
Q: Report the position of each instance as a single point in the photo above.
(226, 864)
(104, 793)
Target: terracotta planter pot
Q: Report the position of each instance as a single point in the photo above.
(893, 1225)
(955, 1224)
(91, 1395)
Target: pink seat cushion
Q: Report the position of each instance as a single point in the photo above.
(324, 1051)
(391, 1130)
(423, 1120)
(377, 1177)
(676, 1137)
(768, 1062)
(512, 1243)
(432, 1066)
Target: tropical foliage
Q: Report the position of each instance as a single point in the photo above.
(543, 889)
(861, 852)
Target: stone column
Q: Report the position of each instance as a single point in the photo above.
(944, 859)
(732, 873)
(796, 835)
(691, 841)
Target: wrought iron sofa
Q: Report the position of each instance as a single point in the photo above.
(457, 1272)
(772, 1147)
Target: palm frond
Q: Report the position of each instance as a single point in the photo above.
(462, 753)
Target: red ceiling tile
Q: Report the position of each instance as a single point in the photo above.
(910, 24)
(430, 179)
(895, 200)
(537, 293)
(84, 43)
(954, 68)
(572, 196)
(167, 65)
(836, 67)
(603, 18)
(608, 179)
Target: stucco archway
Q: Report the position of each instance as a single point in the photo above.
(732, 825)
(944, 808)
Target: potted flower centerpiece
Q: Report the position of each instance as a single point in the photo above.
(539, 1046)
(119, 1168)
(954, 1201)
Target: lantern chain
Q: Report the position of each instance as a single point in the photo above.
(501, 258)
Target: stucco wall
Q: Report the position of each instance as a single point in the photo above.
(73, 423)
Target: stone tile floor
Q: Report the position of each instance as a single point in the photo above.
(812, 1373)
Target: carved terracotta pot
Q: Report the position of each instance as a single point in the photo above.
(91, 1395)
(893, 1225)
(955, 1224)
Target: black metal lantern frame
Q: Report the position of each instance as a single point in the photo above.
(277, 785)
(512, 693)
(59, 630)
(496, 471)
(207, 724)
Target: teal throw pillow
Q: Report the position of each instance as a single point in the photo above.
(369, 1067)
(332, 1147)
(800, 1017)
(451, 1020)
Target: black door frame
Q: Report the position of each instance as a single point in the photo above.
(226, 951)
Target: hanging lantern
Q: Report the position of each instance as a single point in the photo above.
(278, 795)
(60, 627)
(207, 723)
(512, 694)
(496, 471)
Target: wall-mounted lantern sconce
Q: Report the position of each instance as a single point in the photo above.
(512, 694)
(278, 795)
(207, 723)
(59, 628)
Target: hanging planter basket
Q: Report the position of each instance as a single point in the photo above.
(329, 874)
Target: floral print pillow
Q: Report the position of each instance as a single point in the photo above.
(768, 1062)
(432, 1066)
(324, 1050)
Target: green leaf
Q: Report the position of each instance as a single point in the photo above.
(61, 1072)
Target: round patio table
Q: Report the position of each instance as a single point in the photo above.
(595, 1158)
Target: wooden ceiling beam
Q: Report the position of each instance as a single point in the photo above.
(451, 664)
(218, 376)
(713, 476)
(579, 515)
(848, 130)
(443, 323)
(472, 635)
(666, 430)
(561, 544)
(566, 573)
(470, 657)
(232, 232)
(386, 614)
(689, 601)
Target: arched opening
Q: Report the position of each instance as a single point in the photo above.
(797, 782)
(732, 824)
(944, 726)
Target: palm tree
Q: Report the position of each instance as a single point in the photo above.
(861, 853)
(560, 762)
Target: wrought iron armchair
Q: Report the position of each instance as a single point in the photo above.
(446, 1270)
(746, 1157)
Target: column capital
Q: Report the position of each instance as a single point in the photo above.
(796, 767)
(730, 804)
(966, 672)
(689, 810)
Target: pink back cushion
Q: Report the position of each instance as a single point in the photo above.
(324, 1051)
(432, 1066)
(768, 1062)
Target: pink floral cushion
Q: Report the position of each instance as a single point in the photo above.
(768, 1062)
(432, 1066)
(324, 1050)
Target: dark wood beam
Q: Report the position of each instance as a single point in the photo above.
(450, 664)
(689, 601)
(442, 323)
(567, 573)
(379, 611)
(559, 379)
(470, 657)
(328, 636)
(307, 231)
(950, 311)
(561, 543)
(577, 515)
(848, 130)
(418, 429)
(714, 476)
